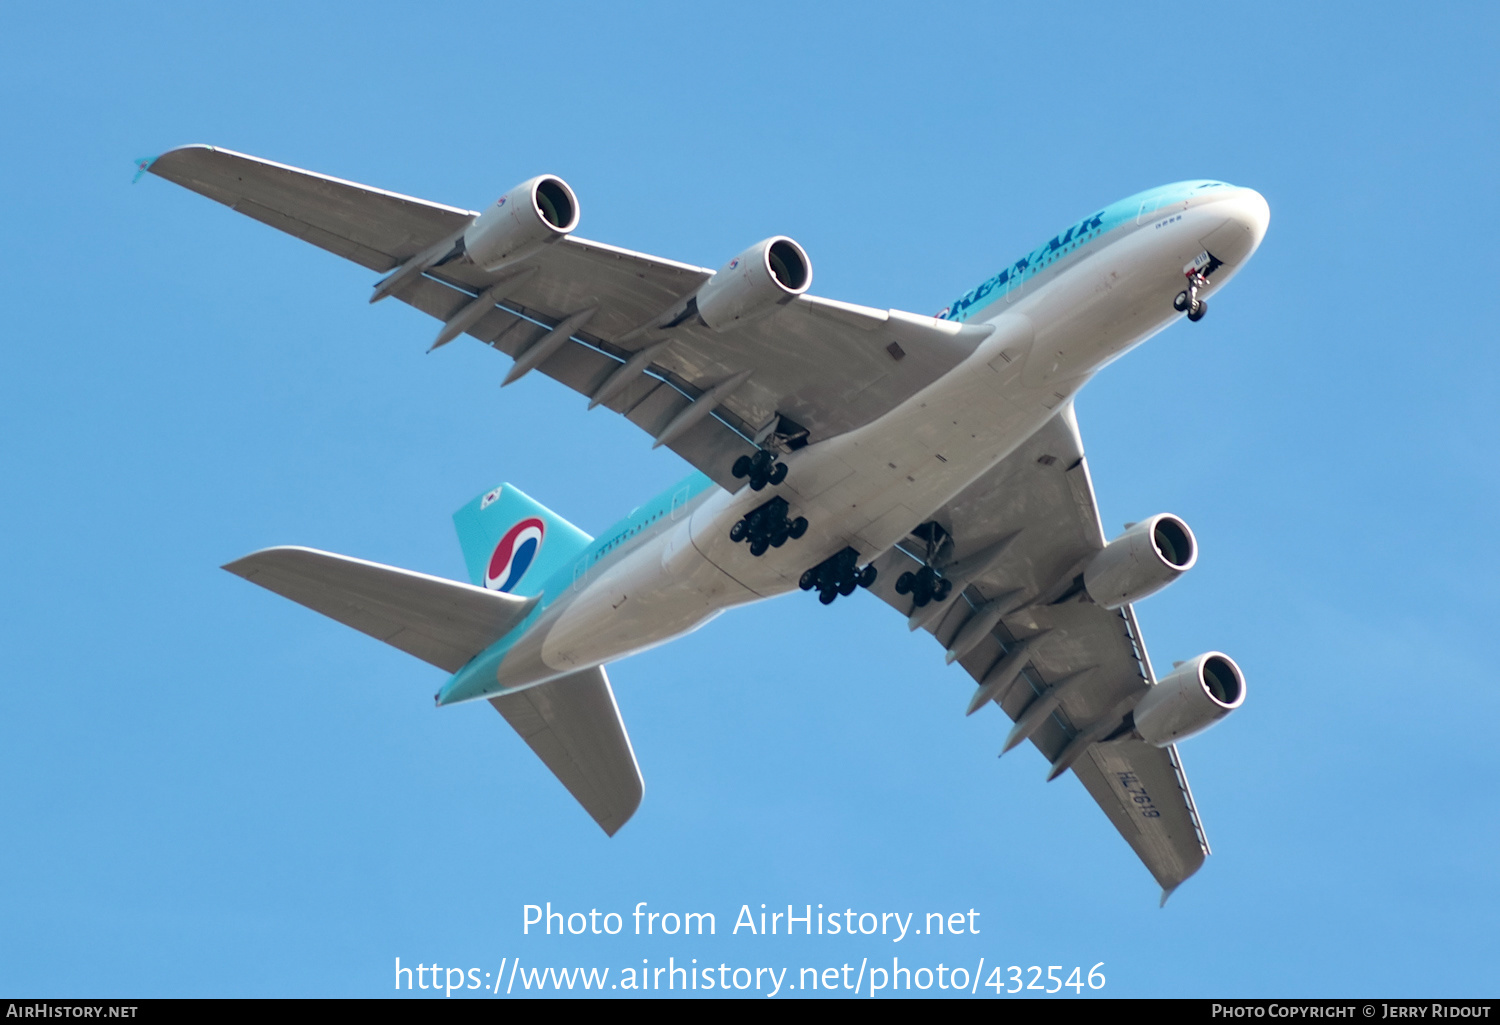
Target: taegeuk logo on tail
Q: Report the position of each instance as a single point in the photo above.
(514, 554)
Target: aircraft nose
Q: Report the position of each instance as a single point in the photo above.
(1255, 213)
(1246, 216)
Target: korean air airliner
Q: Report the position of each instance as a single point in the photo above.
(932, 461)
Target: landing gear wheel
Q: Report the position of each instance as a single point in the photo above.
(922, 588)
(798, 528)
(756, 483)
(779, 538)
(943, 589)
(758, 547)
(839, 574)
(741, 467)
(1187, 301)
(903, 583)
(738, 531)
(778, 474)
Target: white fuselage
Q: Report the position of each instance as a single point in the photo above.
(869, 488)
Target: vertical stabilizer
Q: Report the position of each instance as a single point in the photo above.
(512, 543)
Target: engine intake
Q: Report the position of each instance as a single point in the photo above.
(1190, 699)
(521, 222)
(770, 272)
(1147, 557)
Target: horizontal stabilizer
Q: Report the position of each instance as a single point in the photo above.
(440, 621)
(574, 726)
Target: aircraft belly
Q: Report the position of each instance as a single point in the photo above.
(870, 487)
(662, 590)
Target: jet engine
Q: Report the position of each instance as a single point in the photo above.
(1190, 699)
(1147, 557)
(770, 272)
(521, 222)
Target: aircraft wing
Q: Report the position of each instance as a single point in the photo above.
(1019, 539)
(813, 365)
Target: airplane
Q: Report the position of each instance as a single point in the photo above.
(934, 461)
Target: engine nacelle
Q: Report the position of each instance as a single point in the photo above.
(1147, 557)
(754, 282)
(1190, 699)
(521, 222)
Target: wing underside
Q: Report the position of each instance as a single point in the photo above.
(1020, 537)
(811, 369)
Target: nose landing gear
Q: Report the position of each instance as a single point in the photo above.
(1187, 300)
(1197, 272)
(767, 526)
(762, 469)
(839, 574)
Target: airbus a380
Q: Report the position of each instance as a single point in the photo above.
(932, 460)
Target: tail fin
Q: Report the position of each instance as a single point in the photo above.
(514, 544)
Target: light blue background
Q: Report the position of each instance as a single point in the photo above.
(205, 789)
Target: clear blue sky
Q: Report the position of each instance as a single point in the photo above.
(205, 789)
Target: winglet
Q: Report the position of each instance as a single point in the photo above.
(142, 166)
(1167, 891)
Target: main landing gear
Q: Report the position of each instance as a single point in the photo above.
(838, 574)
(762, 469)
(1197, 273)
(927, 585)
(767, 526)
(924, 586)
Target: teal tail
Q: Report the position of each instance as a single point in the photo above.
(514, 544)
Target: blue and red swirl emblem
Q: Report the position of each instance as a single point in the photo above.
(514, 554)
